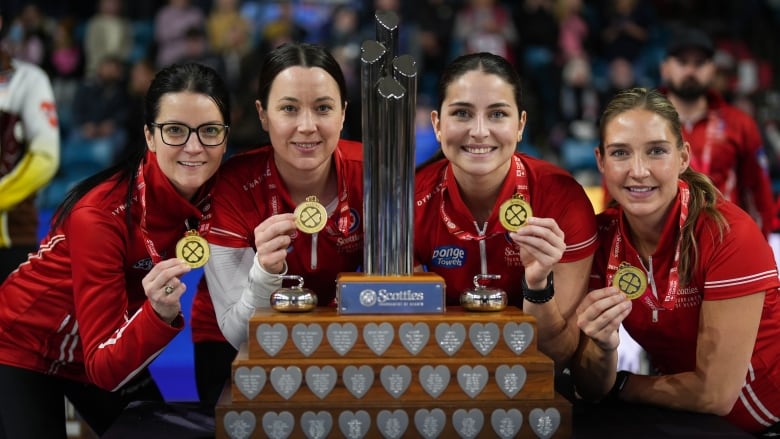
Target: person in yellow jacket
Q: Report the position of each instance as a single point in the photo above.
(29, 154)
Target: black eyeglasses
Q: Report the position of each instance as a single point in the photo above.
(177, 134)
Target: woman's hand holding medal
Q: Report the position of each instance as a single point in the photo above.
(599, 316)
(272, 237)
(164, 288)
(541, 244)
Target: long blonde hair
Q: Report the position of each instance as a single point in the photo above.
(704, 195)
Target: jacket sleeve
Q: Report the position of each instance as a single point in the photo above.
(38, 115)
(238, 286)
(118, 342)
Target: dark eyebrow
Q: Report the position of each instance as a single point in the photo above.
(296, 100)
(470, 105)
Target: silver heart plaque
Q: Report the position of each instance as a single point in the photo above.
(510, 379)
(354, 425)
(414, 337)
(278, 426)
(286, 381)
(395, 380)
(544, 423)
(321, 380)
(483, 337)
(307, 338)
(472, 380)
(392, 425)
(429, 423)
(434, 380)
(450, 337)
(468, 424)
(506, 423)
(239, 426)
(518, 337)
(249, 381)
(378, 337)
(271, 338)
(342, 337)
(316, 426)
(358, 379)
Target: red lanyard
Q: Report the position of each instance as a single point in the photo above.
(274, 185)
(521, 188)
(150, 247)
(617, 255)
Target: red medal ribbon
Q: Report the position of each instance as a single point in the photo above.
(274, 183)
(617, 255)
(521, 188)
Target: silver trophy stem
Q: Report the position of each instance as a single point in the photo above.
(373, 55)
(389, 101)
(405, 72)
(390, 141)
(387, 31)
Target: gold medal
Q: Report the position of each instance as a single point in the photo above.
(514, 213)
(630, 280)
(310, 216)
(193, 249)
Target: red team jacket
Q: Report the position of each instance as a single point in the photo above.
(737, 161)
(554, 193)
(249, 190)
(77, 309)
(741, 264)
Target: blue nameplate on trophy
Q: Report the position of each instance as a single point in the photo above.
(421, 293)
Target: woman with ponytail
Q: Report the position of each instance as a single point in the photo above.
(688, 274)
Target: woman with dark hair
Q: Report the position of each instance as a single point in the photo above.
(486, 209)
(688, 273)
(85, 315)
(254, 237)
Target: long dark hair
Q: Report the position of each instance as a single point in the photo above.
(704, 195)
(189, 77)
(303, 55)
(482, 62)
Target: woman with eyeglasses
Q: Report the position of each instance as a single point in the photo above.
(254, 237)
(85, 315)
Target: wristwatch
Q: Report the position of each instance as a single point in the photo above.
(539, 296)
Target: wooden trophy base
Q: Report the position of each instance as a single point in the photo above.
(460, 374)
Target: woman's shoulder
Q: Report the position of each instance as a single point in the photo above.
(539, 168)
(249, 159)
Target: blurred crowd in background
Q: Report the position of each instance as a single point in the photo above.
(572, 54)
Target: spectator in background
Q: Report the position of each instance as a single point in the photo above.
(170, 29)
(30, 36)
(573, 36)
(197, 50)
(66, 68)
(485, 26)
(626, 28)
(29, 157)
(726, 144)
(140, 77)
(108, 33)
(435, 20)
(342, 38)
(230, 37)
(537, 56)
(99, 114)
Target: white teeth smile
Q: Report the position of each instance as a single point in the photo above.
(479, 150)
(640, 189)
(306, 145)
(192, 164)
